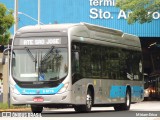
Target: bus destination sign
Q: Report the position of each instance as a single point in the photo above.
(48, 41)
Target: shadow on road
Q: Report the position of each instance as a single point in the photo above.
(95, 113)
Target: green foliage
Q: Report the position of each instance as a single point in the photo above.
(141, 10)
(6, 22)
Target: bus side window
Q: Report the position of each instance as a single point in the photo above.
(75, 63)
(75, 59)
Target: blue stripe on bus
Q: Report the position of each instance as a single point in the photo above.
(120, 92)
(117, 92)
(38, 91)
(137, 91)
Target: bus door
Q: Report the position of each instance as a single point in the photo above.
(76, 76)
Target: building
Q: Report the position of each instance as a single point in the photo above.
(100, 12)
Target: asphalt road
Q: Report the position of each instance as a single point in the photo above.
(143, 109)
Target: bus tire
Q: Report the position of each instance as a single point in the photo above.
(126, 105)
(87, 107)
(36, 109)
(89, 101)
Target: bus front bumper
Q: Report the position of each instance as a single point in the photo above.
(63, 98)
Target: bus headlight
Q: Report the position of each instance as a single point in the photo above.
(14, 90)
(153, 91)
(64, 88)
(146, 91)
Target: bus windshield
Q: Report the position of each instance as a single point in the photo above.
(37, 64)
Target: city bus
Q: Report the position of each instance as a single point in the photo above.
(75, 65)
(152, 86)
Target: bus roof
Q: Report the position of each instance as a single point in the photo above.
(85, 30)
(49, 27)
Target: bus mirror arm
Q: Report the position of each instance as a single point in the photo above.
(5, 52)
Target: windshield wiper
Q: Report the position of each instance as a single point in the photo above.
(31, 55)
(47, 55)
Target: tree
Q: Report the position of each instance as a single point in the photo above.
(6, 22)
(141, 10)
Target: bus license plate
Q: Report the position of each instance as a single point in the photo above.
(38, 99)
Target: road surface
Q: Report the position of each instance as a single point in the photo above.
(143, 109)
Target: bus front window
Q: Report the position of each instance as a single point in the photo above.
(30, 64)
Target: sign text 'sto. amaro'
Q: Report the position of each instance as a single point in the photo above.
(105, 13)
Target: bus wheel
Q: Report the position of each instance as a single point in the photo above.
(126, 105)
(87, 107)
(89, 101)
(36, 109)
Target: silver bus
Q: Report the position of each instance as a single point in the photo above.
(75, 65)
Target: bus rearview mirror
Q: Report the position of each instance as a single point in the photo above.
(3, 59)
